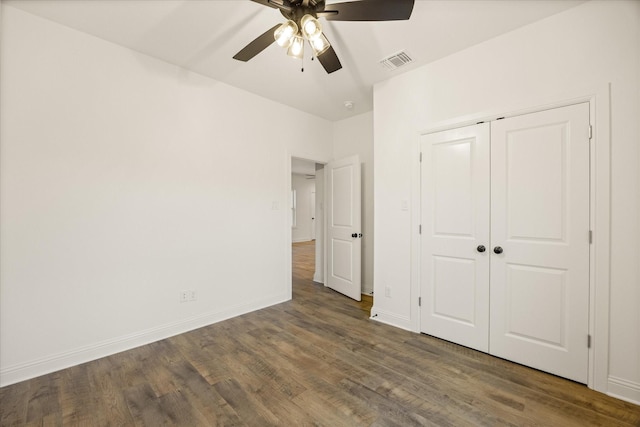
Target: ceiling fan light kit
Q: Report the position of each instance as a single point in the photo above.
(311, 30)
(285, 33)
(302, 24)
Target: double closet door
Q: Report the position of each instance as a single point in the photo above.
(505, 238)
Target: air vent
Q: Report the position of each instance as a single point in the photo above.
(396, 61)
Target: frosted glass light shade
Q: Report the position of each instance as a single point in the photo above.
(311, 28)
(296, 50)
(319, 45)
(284, 33)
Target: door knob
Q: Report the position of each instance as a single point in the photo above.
(481, 248)
(354, 235)
(497, 250)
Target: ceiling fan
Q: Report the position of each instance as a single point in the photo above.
(302, 24)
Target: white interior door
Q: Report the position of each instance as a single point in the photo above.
(343, 226)
(540, 222)
(522, 192)
(455, 235)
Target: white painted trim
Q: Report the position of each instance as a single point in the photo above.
(288, 179)
(325, 234)
(628, 391)
(415, 248)
(599, 99)
(391, 319)
(523, 107)
(24, 371)
(600, 278)
(367, 289)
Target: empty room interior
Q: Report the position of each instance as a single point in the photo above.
(310, 212)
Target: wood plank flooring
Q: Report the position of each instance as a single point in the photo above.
(314, 361)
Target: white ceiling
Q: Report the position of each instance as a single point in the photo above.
(203, 36)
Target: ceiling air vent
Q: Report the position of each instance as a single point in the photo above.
(396, 61)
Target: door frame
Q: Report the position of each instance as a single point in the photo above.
(312, 202)
(599, 99)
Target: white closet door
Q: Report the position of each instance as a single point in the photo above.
(540, 221)
(455, 226)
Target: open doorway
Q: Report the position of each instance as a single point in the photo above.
(311, 260)
(307, 234)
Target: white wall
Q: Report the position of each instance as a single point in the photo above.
(355, 136)
(572, 54)
(305, 190)
(124, 180)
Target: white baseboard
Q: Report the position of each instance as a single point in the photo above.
(367, 289)
(318, 278)
(624, 390)
(46, 365)
(391, 319)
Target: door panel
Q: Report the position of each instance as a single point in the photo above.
(528, 289)
(453, 296)
(535, 182)
(343, 193)
(540, 218)
(342, 259)
(455, 218)
(452, 175)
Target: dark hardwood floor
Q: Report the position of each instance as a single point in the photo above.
(315, 360)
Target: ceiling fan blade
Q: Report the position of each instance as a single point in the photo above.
(258, 45)
(330, 61)
(266, 3)
(275, 4)
(369, 10)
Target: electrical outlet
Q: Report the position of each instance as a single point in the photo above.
(193, 295)
(387, 291)
(184, 296)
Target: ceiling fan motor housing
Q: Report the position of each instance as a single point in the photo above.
(298, 9)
